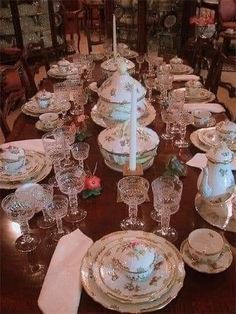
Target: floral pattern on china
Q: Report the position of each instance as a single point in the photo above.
(112, 64)
(12, 159)
(226, 131)
(44, 98)
(216, 182)
(115, 95)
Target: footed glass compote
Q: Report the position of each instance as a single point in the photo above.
(21, 213)
(133, 191)
(80, 152)
(71, 182)
(57, 210)
(167, 192)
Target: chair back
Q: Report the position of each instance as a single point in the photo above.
(94, 38)
(38, 51)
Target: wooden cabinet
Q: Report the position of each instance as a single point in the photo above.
(29, 21)
(143, 23)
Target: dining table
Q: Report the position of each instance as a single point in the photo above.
(201, 293)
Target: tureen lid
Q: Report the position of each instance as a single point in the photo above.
(117, 139)
(226, 127)
(220, 153)
(63, 62)
(176, 60)
(136, 256)
(117, 88)
(44, 95)
(111, 65)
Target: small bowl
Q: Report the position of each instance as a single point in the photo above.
(49, 120)
(136, 259)
(201, 118)
(205, 244)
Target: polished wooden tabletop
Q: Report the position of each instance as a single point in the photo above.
(201, 293)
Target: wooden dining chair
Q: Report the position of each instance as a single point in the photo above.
(37, 54)
(94, 38)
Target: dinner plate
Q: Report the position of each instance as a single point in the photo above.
(221, 264)
(39, 176)
(56, 73)
(31, 108)
(91, 287)
(202, 94)
(210, 97)
(208, 136)
(146, 119)
(184, 69)
(197, 143)
(114, 282)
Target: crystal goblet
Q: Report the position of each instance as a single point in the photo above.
(167, 192)
(176, 102)
(45, 221)
(21, 213)
(71, 182)
(149, 82)
(57, 210)
(69, 132)
(167, 118)
(183, 119)
(80, 152)
(133, 191)
(61, 92)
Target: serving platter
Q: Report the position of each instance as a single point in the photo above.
(146, 119)
(91, 286)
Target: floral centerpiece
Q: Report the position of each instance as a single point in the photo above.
(204, 24)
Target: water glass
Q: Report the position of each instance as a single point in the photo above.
(80, 152)
(133, 191)
(149, 82)
(183, 118)
(167, 118)
(71, 182)
(57, 210)
(61, 94)
(167, 192)
(21, 213)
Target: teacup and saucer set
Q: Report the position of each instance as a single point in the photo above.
(48, 122)
(177, 66)
(205, 251)
(62, 69)
(203, 119)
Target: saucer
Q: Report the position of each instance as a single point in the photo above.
(222, 263)
(41, 127)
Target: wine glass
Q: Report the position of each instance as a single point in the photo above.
(45, 222)
(80, 152)
(69, 132)
(54, 146)
(176, 101)
(71, 182)
(183, 118)
(167, 192)
(21, 213)
(57, 210)
(133, 191)
(167, 118)
(61, 93)
(149, 83)
(80, 98)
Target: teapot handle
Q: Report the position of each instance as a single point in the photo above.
(203, 187)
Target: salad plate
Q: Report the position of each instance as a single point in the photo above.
(41, 127)
(202, 94)
(210, 97)
(208, 136)
(32, 108)
(221, 264)
(194, 138)
(96, 292)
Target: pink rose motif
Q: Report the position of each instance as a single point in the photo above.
(92, 183)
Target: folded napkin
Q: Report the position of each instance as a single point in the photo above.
(35, 145)
(185, 77)
(61, 290)
(200, 161)
(212, 107)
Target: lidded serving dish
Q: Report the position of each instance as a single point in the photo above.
(114, 144)
(136, 259)
(111, 65)
(64, 65)
(115, 96)
(12, 159)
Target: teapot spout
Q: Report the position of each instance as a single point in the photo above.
(204, 188)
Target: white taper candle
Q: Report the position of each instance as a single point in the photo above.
(133, 130)
(114, 37)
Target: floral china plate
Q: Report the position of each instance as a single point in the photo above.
(117, 284)
(97, 294)
(210, 97)
(55, 72)
(208, 136)
(202, 94)
(111, 65)
(222, 263)
(32, 108)
(183, 69)
(41, 127)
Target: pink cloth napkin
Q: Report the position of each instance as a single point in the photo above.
(199, 160)
(61, 290)
(212, 107)
(185, 77)
(35, 145)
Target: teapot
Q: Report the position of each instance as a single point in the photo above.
(216, 180)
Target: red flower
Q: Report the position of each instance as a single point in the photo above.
(92, 183)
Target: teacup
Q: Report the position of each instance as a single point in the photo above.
(226, 131)
(176, 64)
(201, 118)
(64, 65)
(192, 88)
(205, 245)
(44, 98)
(49, 120)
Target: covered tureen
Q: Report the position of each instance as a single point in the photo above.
(114, 144)
(115, 96)
(111, 65)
